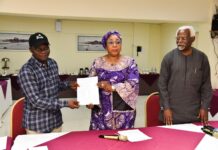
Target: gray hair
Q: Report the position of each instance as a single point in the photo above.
(190, 28)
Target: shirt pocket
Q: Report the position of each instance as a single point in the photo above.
(196, 77)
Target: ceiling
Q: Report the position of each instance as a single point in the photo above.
(157, 11)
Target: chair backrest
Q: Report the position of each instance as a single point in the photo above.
(16, 119)
(152, 110)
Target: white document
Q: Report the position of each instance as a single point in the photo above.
(208, 143)
(134, 135)
(186, 127)
(38, 148)
(26, 141)
(3, 141)
(87, 92)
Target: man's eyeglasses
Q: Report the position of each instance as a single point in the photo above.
(111, 43)
(42, 49)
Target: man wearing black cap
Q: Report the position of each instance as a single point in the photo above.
(40, 83)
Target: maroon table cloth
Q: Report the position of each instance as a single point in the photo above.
(214, 103)
(162, 139)
(9, 143)
(3, 84)
(211, 123)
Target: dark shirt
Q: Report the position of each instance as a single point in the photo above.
(185, 85)
(40, 85)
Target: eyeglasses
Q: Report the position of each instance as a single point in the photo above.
(111, 43)
(42, 49)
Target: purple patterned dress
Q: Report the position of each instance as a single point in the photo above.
(124, 77)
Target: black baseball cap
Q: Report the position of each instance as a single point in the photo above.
(37, 39)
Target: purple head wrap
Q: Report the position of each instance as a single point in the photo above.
(107, 35)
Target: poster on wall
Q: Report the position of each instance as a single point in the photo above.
(89, 43)
(14, 41)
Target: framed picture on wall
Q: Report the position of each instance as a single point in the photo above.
(14, 41)
(89, 43)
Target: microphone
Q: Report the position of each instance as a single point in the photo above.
(114, 137)
(210, 130)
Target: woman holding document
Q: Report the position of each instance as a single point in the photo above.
(118, 82)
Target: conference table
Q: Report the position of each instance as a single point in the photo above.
(176, 137)
(9, 143)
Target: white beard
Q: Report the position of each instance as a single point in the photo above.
(181, 48)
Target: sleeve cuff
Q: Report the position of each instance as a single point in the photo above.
(63, 103)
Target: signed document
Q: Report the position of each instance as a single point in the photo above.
(87, 92)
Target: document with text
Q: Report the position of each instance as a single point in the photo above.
(87, 92)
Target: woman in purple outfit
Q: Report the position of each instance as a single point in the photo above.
(118, 87)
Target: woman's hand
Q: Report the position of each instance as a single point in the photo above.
(105, 85)
(90, 106)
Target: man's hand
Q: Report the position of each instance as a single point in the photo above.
(73, 104)
(168, 117)
(203, 115)
(74, 85)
